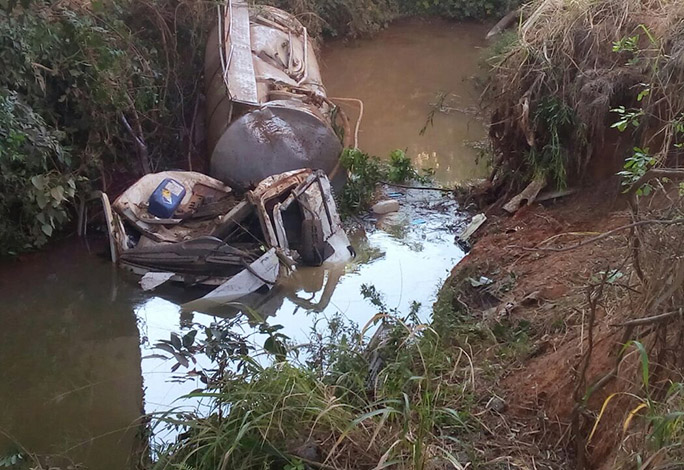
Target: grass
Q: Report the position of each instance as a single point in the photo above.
(555, 85)
(337, 409)
(653, 428)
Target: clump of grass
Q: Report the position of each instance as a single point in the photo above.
(401, 399)
(365, 172)
(653, 428)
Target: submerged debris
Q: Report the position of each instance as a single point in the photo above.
(385, 207)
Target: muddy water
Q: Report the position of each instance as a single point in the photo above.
(77, 361)
(69, 359)
(398, 75)
(76, 344)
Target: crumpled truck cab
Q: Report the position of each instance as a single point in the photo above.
(216, 235)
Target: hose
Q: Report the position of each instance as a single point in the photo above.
(358, 121)
(356, 130)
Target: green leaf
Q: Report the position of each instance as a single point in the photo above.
(10, 461)
(38, 181)
(57, 193)
(60, 216)
(643, 357)
(47, 229)
(165, 347)
(189, 338)
(643, 93)
(41, 200)
(176, 341)
(181, 359)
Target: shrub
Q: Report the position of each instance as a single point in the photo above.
(365, 172)
(35, 178)
(88, 90)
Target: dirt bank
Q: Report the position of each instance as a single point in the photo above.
(531, 284)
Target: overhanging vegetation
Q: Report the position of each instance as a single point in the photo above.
(575, 72)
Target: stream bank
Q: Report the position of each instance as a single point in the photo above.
(551, 302)
(521, 302)
(577, 298)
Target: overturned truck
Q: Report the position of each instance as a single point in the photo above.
(210, 235)
(267, 108)
(267, 205)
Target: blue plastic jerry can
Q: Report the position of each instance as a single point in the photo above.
(166, 198)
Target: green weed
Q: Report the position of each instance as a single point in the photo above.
(365, 172)
(407, 413)
(558, 124)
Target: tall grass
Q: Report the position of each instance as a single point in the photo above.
(653, 428)
(410, 412)
(554, 91)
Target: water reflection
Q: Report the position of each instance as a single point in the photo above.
(406, 261)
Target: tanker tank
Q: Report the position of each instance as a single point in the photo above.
(267, 108)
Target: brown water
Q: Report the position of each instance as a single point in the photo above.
(69, 358)
(78, 369)
(398, 75)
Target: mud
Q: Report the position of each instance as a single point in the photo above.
(546, 290)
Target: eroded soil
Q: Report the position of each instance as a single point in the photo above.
(538, 296)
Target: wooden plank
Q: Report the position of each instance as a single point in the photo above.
(240, 77)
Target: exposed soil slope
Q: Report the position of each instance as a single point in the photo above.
(539, 293)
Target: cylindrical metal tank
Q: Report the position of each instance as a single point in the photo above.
(267, 109)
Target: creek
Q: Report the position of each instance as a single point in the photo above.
(76, 346)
